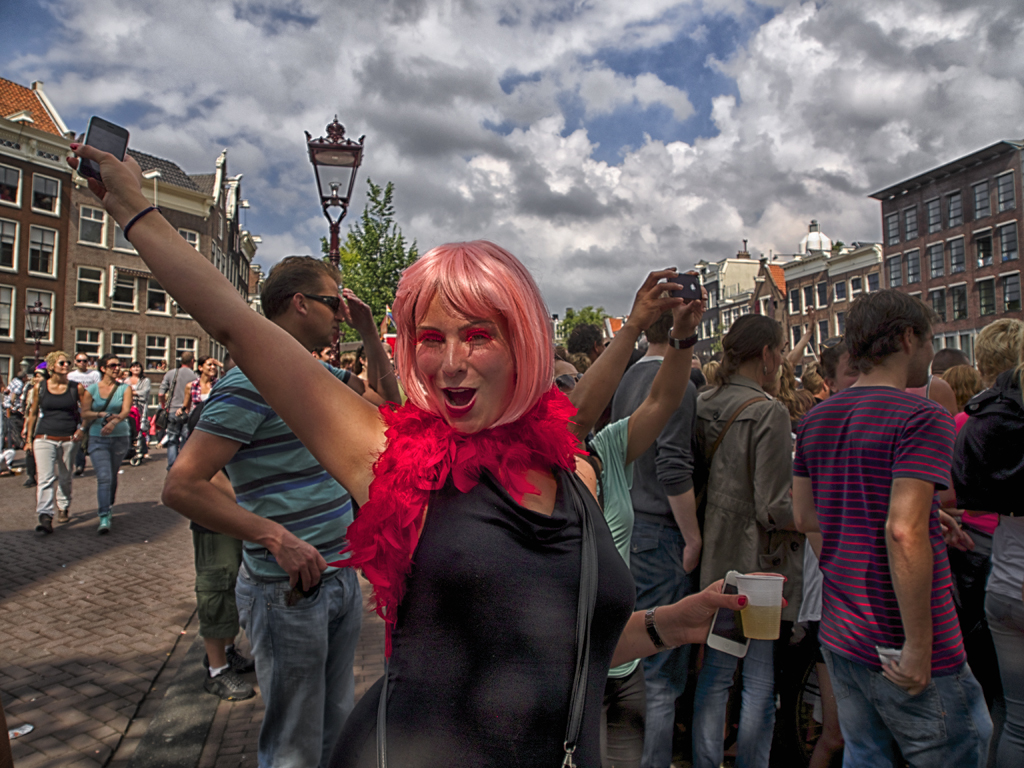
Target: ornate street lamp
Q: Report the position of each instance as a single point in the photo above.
(37, 322)
(335, 161)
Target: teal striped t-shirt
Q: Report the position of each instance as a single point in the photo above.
(273, 474)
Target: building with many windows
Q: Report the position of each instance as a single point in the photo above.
(730, 284)
(114, 303)
(951, 237)
(35, 199)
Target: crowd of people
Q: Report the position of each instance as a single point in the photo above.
(548, 531)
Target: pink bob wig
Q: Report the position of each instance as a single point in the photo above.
(478, 280)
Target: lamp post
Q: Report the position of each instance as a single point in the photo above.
(335, 161)
(37, 322)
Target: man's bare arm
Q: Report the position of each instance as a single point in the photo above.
(684, 510)
(804, 512)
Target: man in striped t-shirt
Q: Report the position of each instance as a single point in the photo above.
(302, 618)
(868, 462)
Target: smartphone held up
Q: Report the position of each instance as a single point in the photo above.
(105, 136)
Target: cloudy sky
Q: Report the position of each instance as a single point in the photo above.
(596, 139)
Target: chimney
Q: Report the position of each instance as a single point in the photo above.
(814, 226)
(744, 254)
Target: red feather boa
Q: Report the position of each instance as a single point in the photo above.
(421, 452)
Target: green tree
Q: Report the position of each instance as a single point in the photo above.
(586, 315)
(375, 253)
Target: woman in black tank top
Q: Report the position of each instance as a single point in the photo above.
(53, 430)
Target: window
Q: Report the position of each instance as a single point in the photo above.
(8, 244)
(841, 323)
(1004, 192)
(933, 211)
(191, 237)
(982, 206)
(987, 297)
(840, 290)
(856, 285)
(156, 299)
(895, 271)
(892, 229)
(6, 314)
(184, 344)
(5, 367)
(957, 261)
(983, 246)
(1011, 293)
(967, 345)
(936, 261)
(45, 194)
(120, 241)
(90, 286)
(808, 296)
(46, 299)
(797, 332)
(1008, 242)
(872, 282)
(937, 299)
(156, 353)
(88, 341)
(959, 295)
(954, 210)
(822, 330)
(124, 292)
(822, 294)
(910, 223)
(794, 301)
(122, 344)
(42, 251)
(10, 187)
(914, 266)
(91, 226)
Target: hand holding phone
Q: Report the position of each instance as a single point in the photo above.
(690, 287)
(726, 632)
(107, 137)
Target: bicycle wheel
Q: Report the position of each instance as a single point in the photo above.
(807, 713)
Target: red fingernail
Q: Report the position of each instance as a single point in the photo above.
(74, 146)
(742, 600)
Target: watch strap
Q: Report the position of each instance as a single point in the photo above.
(686, 343)
(652, 630)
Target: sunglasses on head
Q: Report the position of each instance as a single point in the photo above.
(835, 341)
(332, 302)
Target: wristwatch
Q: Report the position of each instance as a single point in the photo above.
(686, 343)
(652, 630)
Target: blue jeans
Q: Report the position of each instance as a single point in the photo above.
(757, 715)
(107, 452)
(656, 560)
(945, 726)
(1006, 621)
(304, 656)
(177, 431)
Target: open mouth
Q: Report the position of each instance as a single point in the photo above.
(459, 397)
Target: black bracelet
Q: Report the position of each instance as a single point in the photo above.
(686, 343)
(652, 630)
(136, 217)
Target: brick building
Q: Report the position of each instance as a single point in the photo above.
(35, 201)
(114, 303)
(730, 283)
(951, 237)
(769, 297)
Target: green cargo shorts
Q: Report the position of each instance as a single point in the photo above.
(217, 560)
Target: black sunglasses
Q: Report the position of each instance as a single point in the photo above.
(333, 302)
(835, 341)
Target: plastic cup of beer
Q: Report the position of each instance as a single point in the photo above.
(763, 613)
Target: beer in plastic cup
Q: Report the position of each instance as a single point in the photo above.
(763, 613)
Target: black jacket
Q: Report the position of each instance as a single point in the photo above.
(988, 459)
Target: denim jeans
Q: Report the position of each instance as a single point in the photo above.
(54, 464)
(1006, 621)
(177, 431)
(656, 560)
(757, 716)
(304, 656)
(107, 452)
(947, 725)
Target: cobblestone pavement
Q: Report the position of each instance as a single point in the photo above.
(92, 627)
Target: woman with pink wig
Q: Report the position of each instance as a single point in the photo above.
(473, 502)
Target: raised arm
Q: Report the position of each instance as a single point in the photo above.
(335, 424)
(796, 354)
(596, 387)
(378, 368)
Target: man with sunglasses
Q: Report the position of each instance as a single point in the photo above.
(302, 618)
(82, 375)
(172, 399)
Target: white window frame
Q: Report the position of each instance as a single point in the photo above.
(99, 342)
(103, 282)
(133, 345)
(840, 327)
(817, 294)
(867, 281)
(146, 358)
(103, 227)
(14, 314)
(167, 299)
(29, 301)
(56, 252)
(857, 291)
(179, 348)
(17, 245)
(21, 185)
(185, 234)
(846, 291)
(56, 204)
(123, 249)
(135, 293)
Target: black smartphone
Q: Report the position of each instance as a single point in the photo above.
(106, 136)
(690, 287)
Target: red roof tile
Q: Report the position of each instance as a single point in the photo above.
(16, 98)
(778, 275)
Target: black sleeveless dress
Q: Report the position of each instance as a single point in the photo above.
(483, 651)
